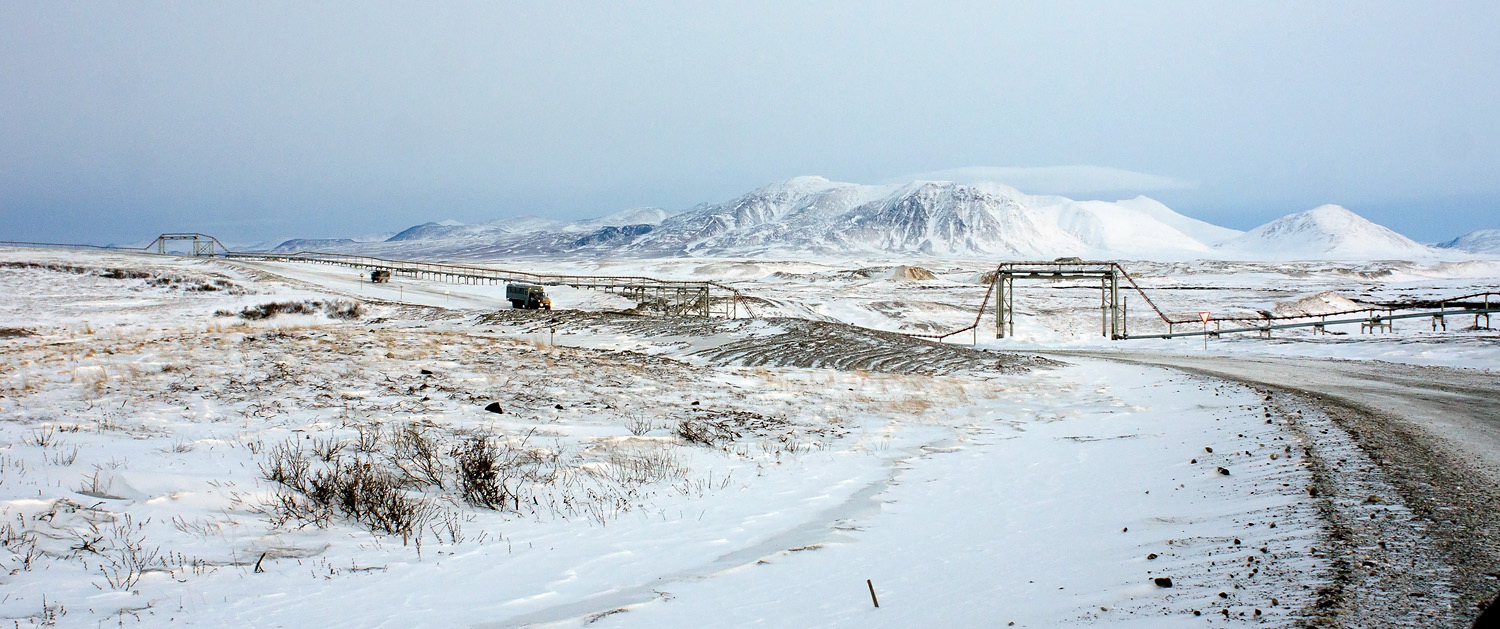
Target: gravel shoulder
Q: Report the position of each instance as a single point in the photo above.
(1432, 435)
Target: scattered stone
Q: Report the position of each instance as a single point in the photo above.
(1223, 595)
(1223, 472)
(558, 406)
(1208, 449)
(695, 403)
(426, 372)
(1165, 582)
(1194, 461)
(494, 407)
(1151, 556)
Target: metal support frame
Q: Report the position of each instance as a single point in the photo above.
(1111, 305)
(203, 245)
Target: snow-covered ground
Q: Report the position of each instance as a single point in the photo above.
(633, 478)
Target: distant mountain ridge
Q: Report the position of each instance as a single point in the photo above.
(1481, 241)
(1331, 230)
(813, 216)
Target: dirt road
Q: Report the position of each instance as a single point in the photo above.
(1434, 434)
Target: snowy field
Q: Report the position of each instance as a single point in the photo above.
(176, 448)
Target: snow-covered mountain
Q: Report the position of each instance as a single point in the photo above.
(817, 216)
(1325, 232)
(812, 216)
(1484, 241)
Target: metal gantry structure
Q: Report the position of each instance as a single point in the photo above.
(202, 244)
(1108, 274)
(1112, 278)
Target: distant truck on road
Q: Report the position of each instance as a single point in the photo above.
(380, 276)
(527, 297)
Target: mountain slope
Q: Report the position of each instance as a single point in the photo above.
(1325, 232)
(1485, 241)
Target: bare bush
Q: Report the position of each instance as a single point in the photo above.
(418, 455)
(97, 485)
(124, 274)
(22, 544)
(287, 464)
(479, 474)
(639, 424)
(372, 496)
(356, 488)
(369, 439)
(42, 437)
(497, 474)
(334, 309)
(705, 432)
(127, 558)
(63, 457)
(329, 448)
(639, 468)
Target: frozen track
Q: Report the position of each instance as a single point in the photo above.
(1434, 431)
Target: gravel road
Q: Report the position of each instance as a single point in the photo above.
(1433, 434)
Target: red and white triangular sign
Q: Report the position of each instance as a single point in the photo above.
(1203, 316)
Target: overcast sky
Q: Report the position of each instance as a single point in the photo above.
(265, 120)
